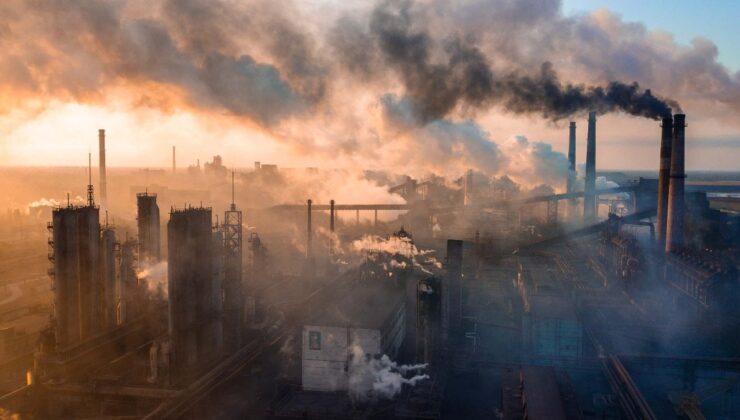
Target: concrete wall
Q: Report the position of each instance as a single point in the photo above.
(324, 366)
(325, 363)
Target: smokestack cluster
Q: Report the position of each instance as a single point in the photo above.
(589, 198)
(675, 216)
(101, 165)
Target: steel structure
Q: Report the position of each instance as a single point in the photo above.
(233, 289)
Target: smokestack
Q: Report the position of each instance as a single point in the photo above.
(589, 198)
(309, 235)
(101, 167)
(666, 139)
(331, 216)
(331, 230)
(174, 166)
(468, 188)
(571, 157)
(674, 227)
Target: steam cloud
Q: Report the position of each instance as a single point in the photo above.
(155, 277)
(372, 379)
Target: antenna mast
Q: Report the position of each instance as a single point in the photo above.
(233, 204)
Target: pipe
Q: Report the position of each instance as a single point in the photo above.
(571, 157)
(589, 199)
(674, 228)
(101, 167)
(664, 174)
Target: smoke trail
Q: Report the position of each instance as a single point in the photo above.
(467, 80)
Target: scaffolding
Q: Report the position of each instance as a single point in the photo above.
(233, 290)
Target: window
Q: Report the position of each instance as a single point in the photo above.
(314, 340)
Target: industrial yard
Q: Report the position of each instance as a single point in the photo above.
(384, 209)
(593, 303)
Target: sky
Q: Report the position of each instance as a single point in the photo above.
(685, 19)
(425, 86)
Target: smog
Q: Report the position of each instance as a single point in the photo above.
(395, 209)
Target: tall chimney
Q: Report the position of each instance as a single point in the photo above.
(468, 188)
(101, 167)
(571, 157)
(309, 232)
(310, 263)
(174, 166)
(664, 174)
(331, 230)
(674, 227)
(331, 216)
(589, 197)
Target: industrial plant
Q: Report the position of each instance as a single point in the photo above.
(470, 298)
(392, 209)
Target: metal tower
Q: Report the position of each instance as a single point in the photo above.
(233, 290)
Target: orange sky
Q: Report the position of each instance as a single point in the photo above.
(157, 74)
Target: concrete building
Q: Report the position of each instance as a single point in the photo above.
(369, 318)
(194, 319)
(108, 270)
(147, 218)
(76, 257)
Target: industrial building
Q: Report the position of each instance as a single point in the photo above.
(194, 289)
(367, 317)
(504, 303)
(147, 217)
(80, 291)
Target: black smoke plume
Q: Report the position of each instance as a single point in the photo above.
(467, 80)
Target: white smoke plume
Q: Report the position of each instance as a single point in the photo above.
(52, 202)
(397, 245)
(393, 245)
(372, 379)
(155, 277)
